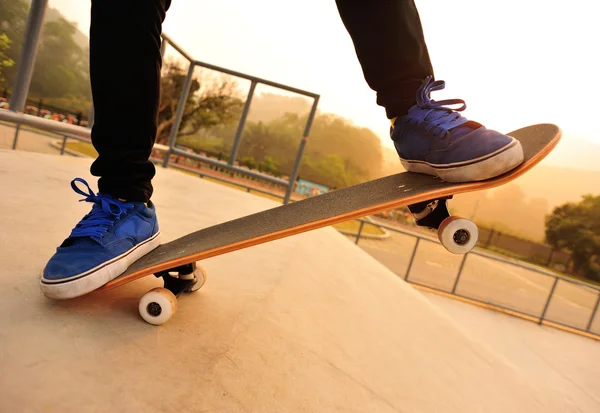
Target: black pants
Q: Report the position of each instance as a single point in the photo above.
(125, 68)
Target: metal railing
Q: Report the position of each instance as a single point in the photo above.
(540, 318)
(248, 188)
(23, 80)
(254, 81)
(65, 137)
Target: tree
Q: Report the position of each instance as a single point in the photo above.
(269, 165)
(576, 227)
(329, 170)
(5, 61)
(338, 154)
(62, 66)
(257, 140)
(211, 102)
(358, 148)
(248, 161)
(61, 71)
(13, 18)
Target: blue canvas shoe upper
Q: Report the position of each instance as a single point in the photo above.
(111, 229)
(434, 133)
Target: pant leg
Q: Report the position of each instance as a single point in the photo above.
(125, 66)
(390, 46)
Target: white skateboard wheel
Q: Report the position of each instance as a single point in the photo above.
(200, 276)
(458, 235)
(157, 306)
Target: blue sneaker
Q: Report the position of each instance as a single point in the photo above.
(102, 245)
(436, 140)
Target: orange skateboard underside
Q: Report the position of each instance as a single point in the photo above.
(383, 194)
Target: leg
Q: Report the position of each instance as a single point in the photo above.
(430, 136)
(125, 65)
(390, 46)
(122, 226)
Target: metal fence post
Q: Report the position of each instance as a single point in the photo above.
(360, 228)
(489, 240)
(91, 117)
(64, 143)
(31, 40)
(594, 311)
(412, 258)
(163, 47)
(238, 134)
(549, 260)
(548, 300)
(462, 264)
(16, 138)
(185, 91)
(296, 168)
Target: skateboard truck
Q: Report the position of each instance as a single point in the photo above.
(458, 235)
(158, 305)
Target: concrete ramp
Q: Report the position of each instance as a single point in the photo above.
(309, 323)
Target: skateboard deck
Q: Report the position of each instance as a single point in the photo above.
(399, 190)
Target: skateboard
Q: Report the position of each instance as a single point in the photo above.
(426, 197)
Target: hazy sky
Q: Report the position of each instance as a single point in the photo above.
(515, 62)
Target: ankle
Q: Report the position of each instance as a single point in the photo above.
(399, 112)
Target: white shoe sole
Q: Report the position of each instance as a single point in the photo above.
(485, 167)
(96, 277)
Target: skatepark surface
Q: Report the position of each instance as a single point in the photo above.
(310, 323)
